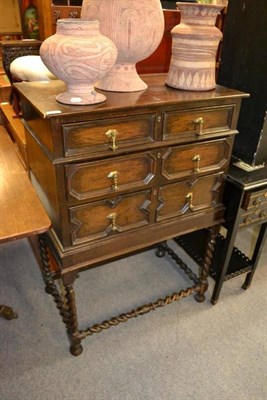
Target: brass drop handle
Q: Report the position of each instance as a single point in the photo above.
(196, 159)
(189, 198)
(114, 176)
(112, 134)
(112, 218)
(199, 125)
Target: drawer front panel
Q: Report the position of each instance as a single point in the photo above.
(192, 124)
(96, 179)
(182, 161)
(257, 216)
(109, 135)
(253, 200)
(187, 197)
(100, 219)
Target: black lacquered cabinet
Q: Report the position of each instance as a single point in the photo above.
(243, 66)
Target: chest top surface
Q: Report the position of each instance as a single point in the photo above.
(41, 95)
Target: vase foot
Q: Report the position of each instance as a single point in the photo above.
(75, 99)
(191, 79)
(122, 78)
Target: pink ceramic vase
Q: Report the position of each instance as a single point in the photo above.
(78, 55)
(194, 46)
(136, 27)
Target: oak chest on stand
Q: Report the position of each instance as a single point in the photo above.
(124, 175)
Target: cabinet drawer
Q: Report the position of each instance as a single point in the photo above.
(196, 123)
(109, 135)
(182, 161)
(254, 199)
(256, 217)
(103, 218)
(96, 179)
(189, 196)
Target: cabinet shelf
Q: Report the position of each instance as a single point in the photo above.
(194, 245)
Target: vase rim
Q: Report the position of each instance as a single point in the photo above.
(216, 6)
(78, 20)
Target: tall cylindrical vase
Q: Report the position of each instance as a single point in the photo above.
(78, 55)
(194, 46)
(136, 27)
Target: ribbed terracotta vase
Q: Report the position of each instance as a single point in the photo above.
(194, 46)
(136, 27)
(78, 55)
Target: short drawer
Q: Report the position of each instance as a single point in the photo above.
(104, 218)
(254, 199)
(196, 123)
(257, 216)
(102, 178)
(109, 136)
(189, 196)
(180, 162)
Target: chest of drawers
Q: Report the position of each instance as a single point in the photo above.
(132, 172)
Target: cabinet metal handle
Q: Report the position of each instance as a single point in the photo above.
(257, 201)
(189, 199)
(112, 134)
(199, 125)
(247, 220)
(114, 176)
(112, 218)
(196, 159)
(263, 214)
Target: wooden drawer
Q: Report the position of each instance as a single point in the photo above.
(196, 123)
(100, 219)
(189, 196)
(108, 136)
(258, 216)
(180, 162)
(96, 179)
(254, 199)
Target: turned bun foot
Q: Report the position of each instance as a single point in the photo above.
(199, 297)
(76, 350)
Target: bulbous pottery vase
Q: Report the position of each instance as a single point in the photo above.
(78, 55)
(194, 46)
(136, 27)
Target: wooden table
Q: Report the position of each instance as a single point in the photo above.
(125, 175)
(22, 214)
